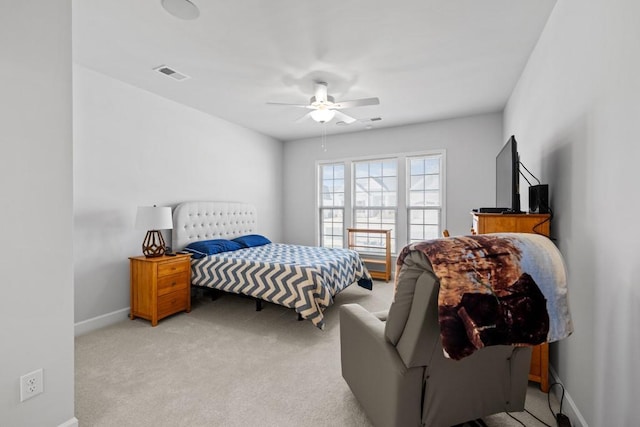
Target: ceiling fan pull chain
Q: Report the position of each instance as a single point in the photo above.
(323, 138)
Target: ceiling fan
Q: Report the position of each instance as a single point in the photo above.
(324, 107)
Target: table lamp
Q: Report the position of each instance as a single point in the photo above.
(153, 219)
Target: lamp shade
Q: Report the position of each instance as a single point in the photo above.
(154, 218)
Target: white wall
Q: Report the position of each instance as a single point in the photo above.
(471, 145)
(36, 308)
(576, 111)
(133, 148)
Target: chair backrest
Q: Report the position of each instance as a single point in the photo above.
(412, 323)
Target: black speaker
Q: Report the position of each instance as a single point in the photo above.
(539, 198)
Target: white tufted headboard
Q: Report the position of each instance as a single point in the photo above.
(193, 221)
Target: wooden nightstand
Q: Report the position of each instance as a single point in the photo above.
(160, 286)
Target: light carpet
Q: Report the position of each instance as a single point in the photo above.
(224, 364)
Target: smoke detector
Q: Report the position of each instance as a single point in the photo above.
(181, 9)
(170, 72)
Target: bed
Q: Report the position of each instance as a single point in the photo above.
(303, 278)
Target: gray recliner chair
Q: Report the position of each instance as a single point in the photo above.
(394, 364)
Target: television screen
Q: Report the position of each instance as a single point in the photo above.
(508, 177)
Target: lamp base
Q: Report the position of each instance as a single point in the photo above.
(153, 244)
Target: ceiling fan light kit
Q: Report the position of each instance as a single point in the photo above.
(324, 108)
(322, 115)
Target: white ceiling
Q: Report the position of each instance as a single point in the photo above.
(425, 59)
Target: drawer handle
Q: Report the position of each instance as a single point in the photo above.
(173, 283)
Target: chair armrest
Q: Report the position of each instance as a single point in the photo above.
(362, 333)
(389, 392)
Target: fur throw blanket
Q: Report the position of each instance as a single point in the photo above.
(504, 288)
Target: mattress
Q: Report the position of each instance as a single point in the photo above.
(300, 277)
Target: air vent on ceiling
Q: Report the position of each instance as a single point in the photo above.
(363, 121)
(170, 72)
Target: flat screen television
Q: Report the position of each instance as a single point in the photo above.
(508, 177)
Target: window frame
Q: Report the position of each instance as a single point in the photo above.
(321, 208)
(402, 208)
(379, 207)
(439, 209)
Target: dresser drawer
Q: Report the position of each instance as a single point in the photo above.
(169, 268)
(172, 303)
(175, 282)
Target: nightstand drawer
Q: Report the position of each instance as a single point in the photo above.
(175, 282)
(172, 303)
(178, 266)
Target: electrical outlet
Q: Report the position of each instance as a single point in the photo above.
(31, 384)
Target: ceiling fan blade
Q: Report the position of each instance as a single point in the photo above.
(288, 105)
(342, 117)
(356, 103)
(303, 118)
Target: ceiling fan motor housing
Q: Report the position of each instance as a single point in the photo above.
(315, 102)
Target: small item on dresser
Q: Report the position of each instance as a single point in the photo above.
(170, 254)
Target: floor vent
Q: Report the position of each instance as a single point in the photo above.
(170, 72)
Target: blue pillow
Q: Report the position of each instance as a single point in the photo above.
(211, 247)
(251, 240)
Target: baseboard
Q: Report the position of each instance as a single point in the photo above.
(569, 406)
(100, 321)
(73, 422)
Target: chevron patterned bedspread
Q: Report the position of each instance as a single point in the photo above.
(300, 277)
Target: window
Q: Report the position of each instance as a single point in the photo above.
(424, 199)
(376, 189)
(402, 192)
(332, 205)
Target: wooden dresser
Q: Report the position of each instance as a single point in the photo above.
(160, 286)
(521, 223)
(511, 223)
